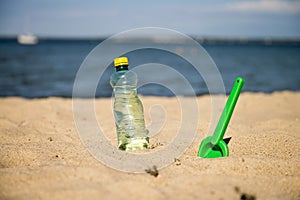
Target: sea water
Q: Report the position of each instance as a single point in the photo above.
(49, 68)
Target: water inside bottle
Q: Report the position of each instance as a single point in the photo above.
(129, 117)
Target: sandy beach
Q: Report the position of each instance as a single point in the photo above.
(42, 157)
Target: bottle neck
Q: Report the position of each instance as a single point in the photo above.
(121, 68)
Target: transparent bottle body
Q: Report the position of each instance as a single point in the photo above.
(128, 112)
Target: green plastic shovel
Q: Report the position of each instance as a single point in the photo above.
(214, 146)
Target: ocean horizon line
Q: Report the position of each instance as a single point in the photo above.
(199, 39)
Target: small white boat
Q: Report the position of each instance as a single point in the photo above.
(27, 39)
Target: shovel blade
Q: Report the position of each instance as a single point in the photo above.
(208, 150)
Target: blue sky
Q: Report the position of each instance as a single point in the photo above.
(94, 18)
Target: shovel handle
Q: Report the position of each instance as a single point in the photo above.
(228, 110)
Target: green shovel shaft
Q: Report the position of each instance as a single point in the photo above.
(228, 110)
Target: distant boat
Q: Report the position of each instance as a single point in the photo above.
(27, 39)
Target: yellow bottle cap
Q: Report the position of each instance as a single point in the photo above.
(121, 61)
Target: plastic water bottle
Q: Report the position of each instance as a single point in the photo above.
(128, 108)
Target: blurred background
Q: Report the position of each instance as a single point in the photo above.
(44, 42)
